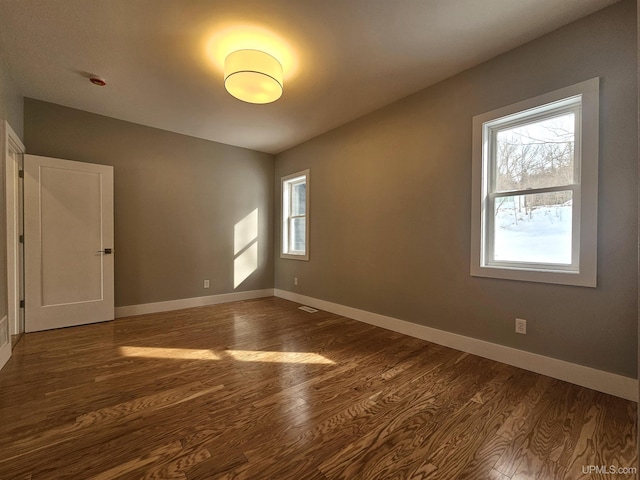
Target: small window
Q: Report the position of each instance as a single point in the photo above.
(295, 216)
(535, 170)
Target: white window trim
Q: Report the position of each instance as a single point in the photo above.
(285, 184)
(585, 215)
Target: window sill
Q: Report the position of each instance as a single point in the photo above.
(539, 276)
(291, 256)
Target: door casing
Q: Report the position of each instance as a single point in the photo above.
(12, 150)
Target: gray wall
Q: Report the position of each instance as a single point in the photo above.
(11, 110)
(177, 199)
(391, 200)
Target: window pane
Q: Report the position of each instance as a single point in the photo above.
(298, 234)
(298, 199)
(536, 155)
(533, 228)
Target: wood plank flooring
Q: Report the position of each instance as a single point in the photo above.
(15, 339)
(261, 390)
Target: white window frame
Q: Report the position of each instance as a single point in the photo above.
(583, 100)
(286, 184)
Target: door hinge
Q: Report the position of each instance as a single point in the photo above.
(21, 173)
(21, 303)
(21, 238)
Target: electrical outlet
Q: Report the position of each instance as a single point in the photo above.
(521, 326)
(295, 280)
(206, 284)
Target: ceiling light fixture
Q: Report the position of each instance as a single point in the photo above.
(253, 76)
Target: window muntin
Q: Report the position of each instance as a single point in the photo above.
(535, 189)
(295, 208)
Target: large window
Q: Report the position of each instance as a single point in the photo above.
(295, 216)
(535, 170)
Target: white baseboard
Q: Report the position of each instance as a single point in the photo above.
(145, 308)
(599, 380)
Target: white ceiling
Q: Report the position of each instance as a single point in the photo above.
(342, 58)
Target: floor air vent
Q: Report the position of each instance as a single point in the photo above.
(308, 309)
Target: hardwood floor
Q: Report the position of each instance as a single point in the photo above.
(15, 339)
(261, 390)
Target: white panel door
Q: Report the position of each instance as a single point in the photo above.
(68, 241)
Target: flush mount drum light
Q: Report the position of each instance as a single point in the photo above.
(253, 76)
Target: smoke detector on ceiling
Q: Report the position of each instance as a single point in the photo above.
(101, 82)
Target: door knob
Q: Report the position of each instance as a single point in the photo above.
(106, 251)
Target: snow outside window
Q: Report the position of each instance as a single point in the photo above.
(535, 170)
(295, 215)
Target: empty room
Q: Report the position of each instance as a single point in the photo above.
(319, 239)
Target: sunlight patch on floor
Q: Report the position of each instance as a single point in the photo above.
(238, 355)
(169, 353)
(277, 357)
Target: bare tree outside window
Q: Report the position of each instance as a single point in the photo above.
(534, 227)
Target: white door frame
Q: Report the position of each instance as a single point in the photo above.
(12, 146)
